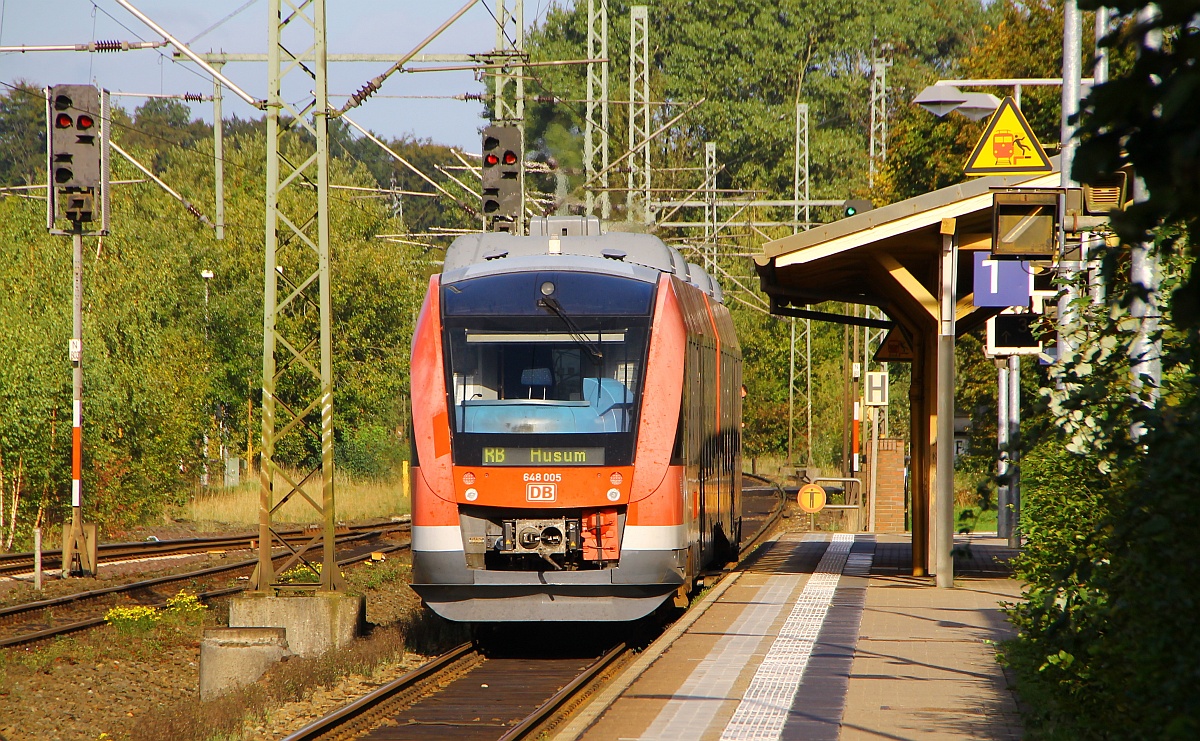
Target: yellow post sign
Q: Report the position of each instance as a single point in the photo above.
(1008, 146)
(811, 498)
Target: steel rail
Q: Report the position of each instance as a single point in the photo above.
(336, 724)
(547, 709)
(204, 596)
(13, 562)
(378, 697)
(751, 543)
(156, 581)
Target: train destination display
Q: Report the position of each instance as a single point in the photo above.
(543, 456)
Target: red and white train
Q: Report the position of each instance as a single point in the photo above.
(576, 427)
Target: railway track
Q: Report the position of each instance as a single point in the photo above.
(33, 629)
(468, 694)
(15, 563)
(762, 506)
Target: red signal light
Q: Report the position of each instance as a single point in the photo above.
(491, 160)
(63, 121)
(510, 158)
(85, 121)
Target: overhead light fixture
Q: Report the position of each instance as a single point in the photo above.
(978, 105)
(940, 99)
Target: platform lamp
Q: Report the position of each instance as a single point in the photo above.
(978, 106)
(940, 99)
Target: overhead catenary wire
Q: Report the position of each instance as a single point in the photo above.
(375, 83)
(170, 191)
(182, 47)
(221, 22)
(409, 165)
(162, 56)
(188, 151)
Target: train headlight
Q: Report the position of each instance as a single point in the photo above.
(614, 495)
(547, 288)
(468, 479)
(616, 478)
(471, 495)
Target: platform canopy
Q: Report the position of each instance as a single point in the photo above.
(891, 258)
(888, 257)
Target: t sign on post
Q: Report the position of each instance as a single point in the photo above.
(1002, 283)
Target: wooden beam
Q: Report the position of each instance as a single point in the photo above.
(974, 319)
(964, 306)
(908, 282)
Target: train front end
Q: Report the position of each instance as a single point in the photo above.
(536, 387)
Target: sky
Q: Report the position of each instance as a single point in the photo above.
(353, 26)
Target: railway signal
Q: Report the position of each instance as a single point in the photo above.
(77, 157)
(856, 206)
(75, 136)
(77, 191)
(503, 160)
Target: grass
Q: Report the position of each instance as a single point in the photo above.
(357, 499)
(974, 500)
(974, 519)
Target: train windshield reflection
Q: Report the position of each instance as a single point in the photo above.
(539, 379)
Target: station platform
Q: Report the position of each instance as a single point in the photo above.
(825, 636)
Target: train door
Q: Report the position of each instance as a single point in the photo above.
(703, 422)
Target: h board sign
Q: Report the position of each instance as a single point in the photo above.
(876, 389)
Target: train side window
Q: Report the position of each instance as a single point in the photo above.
(677, 452)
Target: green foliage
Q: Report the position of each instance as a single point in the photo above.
(23, 136)
(1146, 117)
(751, 62)
(1019, 40)
(1106, 646)
(164, 365)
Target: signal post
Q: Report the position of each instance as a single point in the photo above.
(77, 192)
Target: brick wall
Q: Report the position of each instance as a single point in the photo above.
(889, 492)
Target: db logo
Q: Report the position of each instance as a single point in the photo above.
(540, 492)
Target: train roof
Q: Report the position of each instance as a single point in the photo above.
(572, 243)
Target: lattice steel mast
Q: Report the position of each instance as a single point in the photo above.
(879, 103)
(296, 385)
(509, 108)
(637, 197)
(595, 139)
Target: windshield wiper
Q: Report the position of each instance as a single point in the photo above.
(592, 348)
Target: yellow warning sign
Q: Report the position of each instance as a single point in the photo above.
(895, 348)
(811, 498)
(1008, 146)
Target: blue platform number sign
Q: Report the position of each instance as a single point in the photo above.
(1002, 283)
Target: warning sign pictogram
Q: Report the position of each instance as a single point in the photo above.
(811, 498)
(895, 348)
(1008, 146)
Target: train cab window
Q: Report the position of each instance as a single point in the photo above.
(546, 359)
(546, 382)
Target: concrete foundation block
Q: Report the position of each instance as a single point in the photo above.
(314, 624)
(232, 657)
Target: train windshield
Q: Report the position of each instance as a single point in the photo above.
(540, 379)
(561, 377)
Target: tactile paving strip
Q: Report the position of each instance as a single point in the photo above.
(691, 710)
(764, 709)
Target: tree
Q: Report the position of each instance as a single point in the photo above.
(23, 136)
